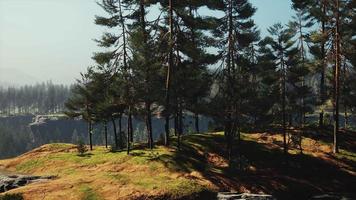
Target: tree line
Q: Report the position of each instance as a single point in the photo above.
(42, 98)
(170, 58)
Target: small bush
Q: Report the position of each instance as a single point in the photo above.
(161, 139)
(112, 148)
(12, 197)
(82, 149)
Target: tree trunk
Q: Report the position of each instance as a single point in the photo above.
(322, 77)
(90, 127)
(151, 131)
(176, 124)
(169, 69)
(149, 125)
(196, 116)
(346, 116)
(131, 128)
(115, 132)
(129, 131)
(126, 71)
(321, 119)
(285, 150)
(180, 127)
(121, 133)
(337, 79)
(302, 111)
(230, 84)
(106, 134)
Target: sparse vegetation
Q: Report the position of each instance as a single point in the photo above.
(200, 167)
(11, 197)
(82, 148)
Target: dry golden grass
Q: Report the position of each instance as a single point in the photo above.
(199, 166)
(101, 174)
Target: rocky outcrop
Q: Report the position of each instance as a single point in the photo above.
(41, 119)
(9, 182)
(244, 196)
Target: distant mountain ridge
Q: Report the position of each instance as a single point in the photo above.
(15, 77)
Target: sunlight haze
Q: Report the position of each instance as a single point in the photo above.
(43, 40)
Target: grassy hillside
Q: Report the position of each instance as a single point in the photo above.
(198, 169)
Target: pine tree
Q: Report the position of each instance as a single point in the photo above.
(82, 102)
(281, 44)
(235, 33)
(183, 35)
(301, 22)
(118, 58)
(318, 11)
(336, 97)
(145, 63)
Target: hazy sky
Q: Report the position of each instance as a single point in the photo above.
(44, 40)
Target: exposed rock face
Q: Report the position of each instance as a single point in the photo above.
(41, 119)
(24, 133)
(56, 128)
(59, 128)
(244, 196)
(9, 182)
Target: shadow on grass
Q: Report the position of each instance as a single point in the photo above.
(294, 177)
(347, 138)
(302, 177)
(85, 155)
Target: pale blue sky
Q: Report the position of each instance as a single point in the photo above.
(44, 40)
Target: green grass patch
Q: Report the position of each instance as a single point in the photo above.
(344, 154)
(30, 165)
(184, 187)
(88, 193)
(118, 177)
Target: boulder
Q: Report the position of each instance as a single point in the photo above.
(9, 182)
(243, 196)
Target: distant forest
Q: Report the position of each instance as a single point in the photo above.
(42, 98)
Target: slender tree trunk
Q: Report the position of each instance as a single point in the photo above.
(285, 148)
(126, 70)
(147, 77)
(129, 131)
(169, 69)
(290, 119)
(180, 127)
(176, 124)
(337, 79)
(302, 111)
(196, 116)
(131, 128)
(151, 131)
(115, 132)
(106, 134)
(321, 119)
(121, 133)
(149, 125)
(90, 130)
(323, 63)
(346, 117)
(230, 84)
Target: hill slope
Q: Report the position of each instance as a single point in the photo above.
(200, 166)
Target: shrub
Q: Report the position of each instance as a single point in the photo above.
(82, 149)
(112, 148)
(12, 197)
